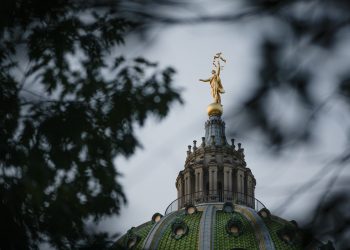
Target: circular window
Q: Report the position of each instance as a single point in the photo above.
(156, 217)
(287, 235)
(228, 207)
(132, 239)
(264, 213)
(234, 227)
(131, 243)
(286, 238)
(179, 229)
(190, 209)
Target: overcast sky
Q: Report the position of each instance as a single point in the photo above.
(149, 175)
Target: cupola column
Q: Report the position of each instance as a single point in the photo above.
(250, 190)
(188, 190)
(199, 182)
(179, 191)
(240, 184)
(227, 181)
(213, 180)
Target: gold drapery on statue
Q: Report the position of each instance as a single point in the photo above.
(215, 82)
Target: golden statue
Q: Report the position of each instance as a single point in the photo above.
(215, 81)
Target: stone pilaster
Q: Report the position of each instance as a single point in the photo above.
(227, 180)
(188, 186)
(180, 191)
(250, 190)
(240, 181)
(179, 188)
(199, 181)
(213, 180)
(187, 183)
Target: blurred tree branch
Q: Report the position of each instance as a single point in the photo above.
(65, 116)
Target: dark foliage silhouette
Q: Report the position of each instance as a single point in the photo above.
(69, 102)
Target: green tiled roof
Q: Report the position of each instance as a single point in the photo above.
(257, 232)
(190, 241)
(225, 241)
(274, 225)
(142, 232)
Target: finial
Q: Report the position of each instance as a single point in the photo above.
(194, 145)
(189, 150)
(233, 143)
(239, 146)
(203, 142)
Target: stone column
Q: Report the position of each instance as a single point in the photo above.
(178, 185)
(240, 181)
(199, 182)
(231, 181)
(240, 187)
(213, 182)
(188, 190)
(196, 179)
(227, 183)
(253, 191)
(201, 177)
(250, 191)
(179, 192)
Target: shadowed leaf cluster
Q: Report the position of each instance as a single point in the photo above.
(69, 104)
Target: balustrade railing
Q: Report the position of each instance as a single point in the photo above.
(213, 197)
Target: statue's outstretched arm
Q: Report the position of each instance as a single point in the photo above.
(205, 80)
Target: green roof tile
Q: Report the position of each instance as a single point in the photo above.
(190, 241)
(274, 225)
(225, 241)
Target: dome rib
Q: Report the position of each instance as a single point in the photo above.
(157, 231)
(206, 225)
(262, 234)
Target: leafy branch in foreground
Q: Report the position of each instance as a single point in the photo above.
(68, 108)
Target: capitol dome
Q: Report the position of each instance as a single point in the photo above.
(216, 206)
